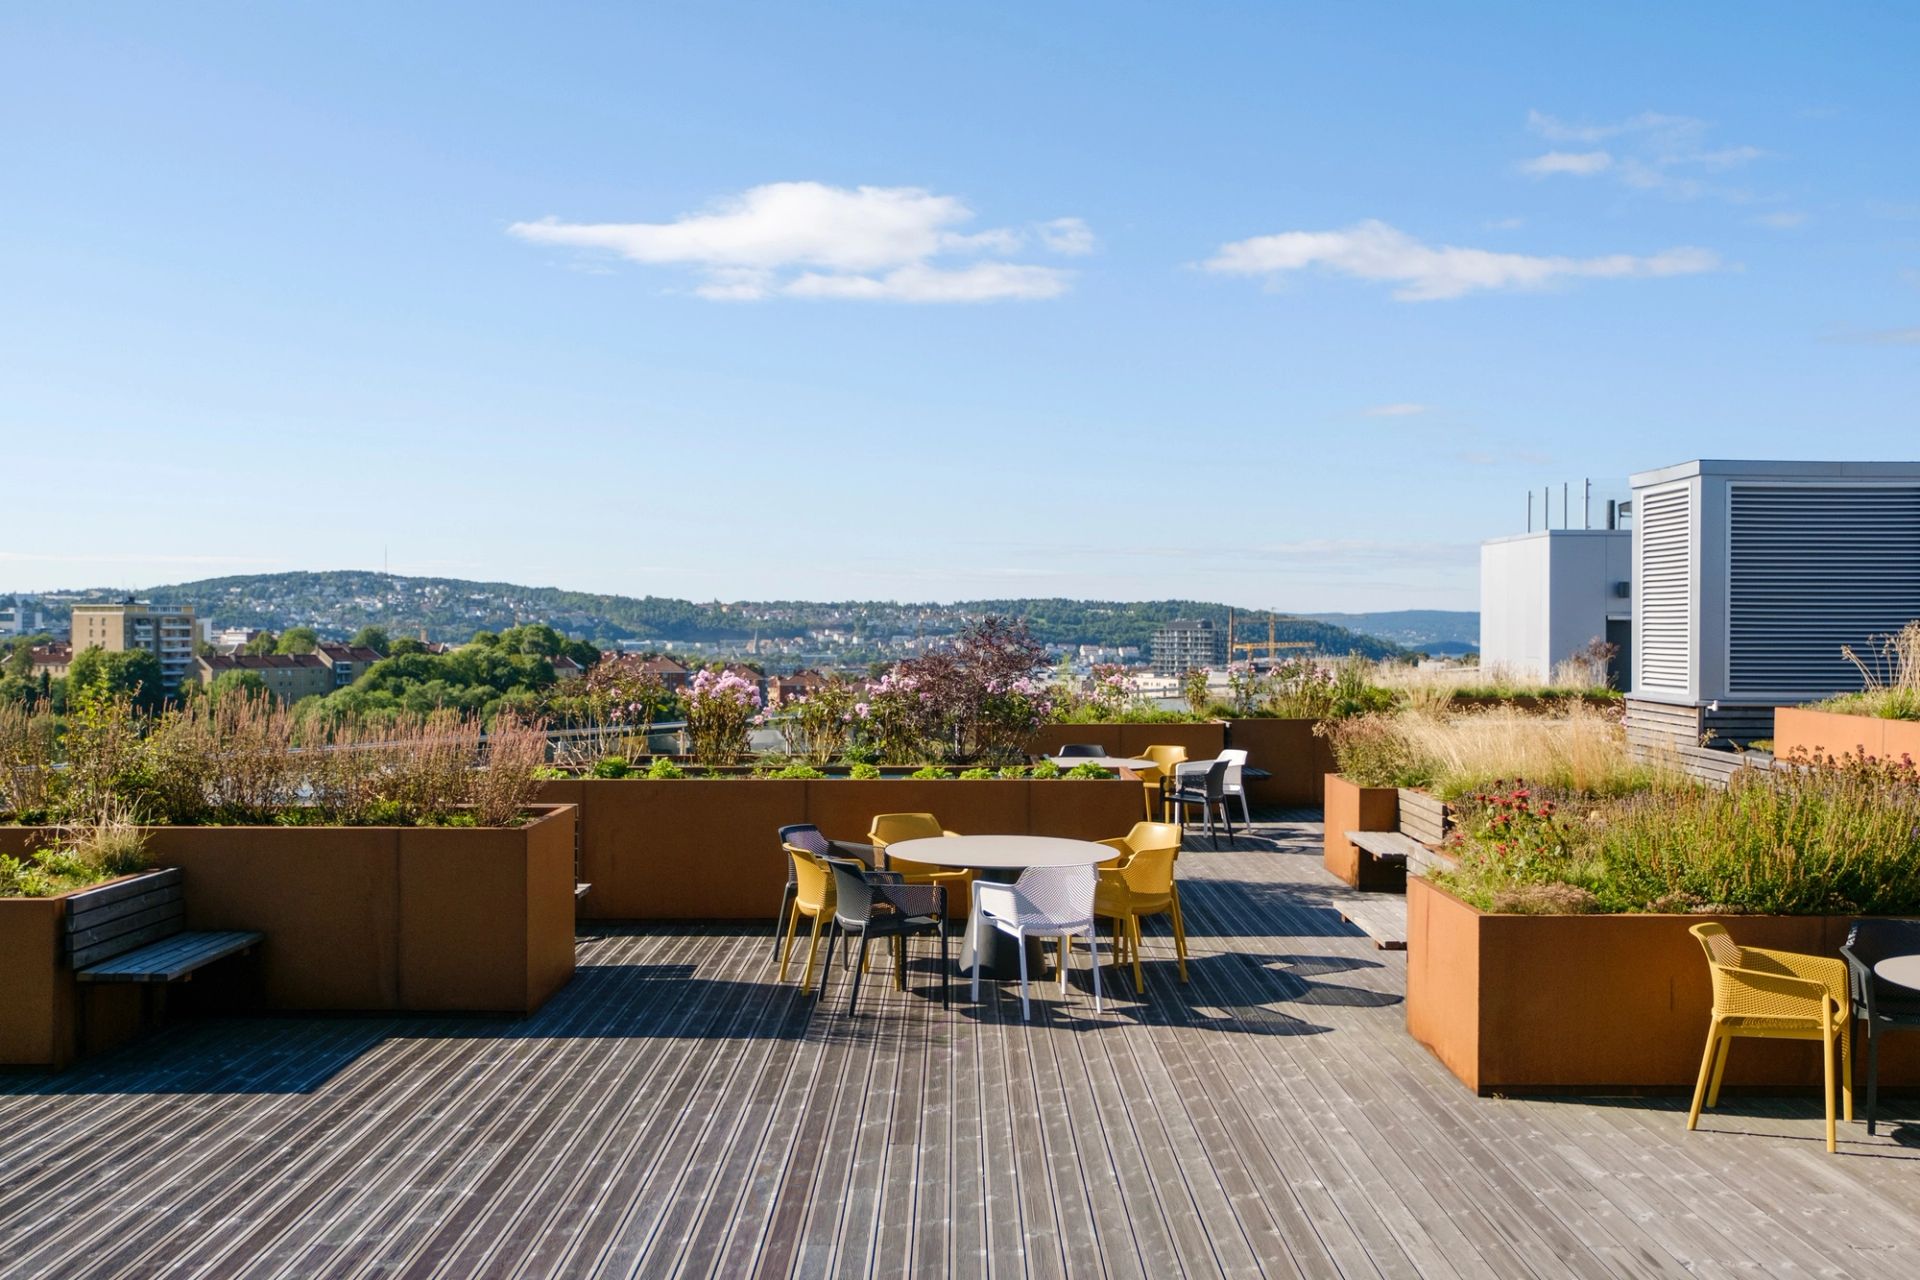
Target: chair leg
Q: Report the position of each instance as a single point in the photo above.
(1719, 1070)
(1828, 1052)
(946, 974)
(1706, 1071)
(1226, 818)
(813, 945)
(1026, 1011)
(1065, 951)
(793, 927)
(900, 962)
(1873, 1077)
(1133, 949)
(1093, 945)
(787, 895)
(1846, 1070)
(973, 941)
(826, 963)
(1246, 814)
(1179, 936)
(853, 997)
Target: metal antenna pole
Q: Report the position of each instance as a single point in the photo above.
(1529, 511)
(1586, 504)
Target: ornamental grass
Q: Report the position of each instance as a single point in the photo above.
(1837, 837)
(1575, 749)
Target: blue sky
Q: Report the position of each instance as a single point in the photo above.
(1281, 305)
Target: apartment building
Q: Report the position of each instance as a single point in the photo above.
(287, 676)
(165, 631)
(1183, 645)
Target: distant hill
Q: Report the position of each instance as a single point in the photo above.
(339, 602)
(1431, 630)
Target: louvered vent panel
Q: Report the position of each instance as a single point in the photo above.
(1665, 574)
(1815, 568)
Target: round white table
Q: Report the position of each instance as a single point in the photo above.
(1901, 971)
(1001, 859)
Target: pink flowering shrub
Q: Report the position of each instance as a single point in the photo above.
(722, 708)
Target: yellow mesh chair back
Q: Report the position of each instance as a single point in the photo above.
(1164, 758)
(892, 828)
(1776, 995)
(814, 897)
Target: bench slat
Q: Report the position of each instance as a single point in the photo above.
(92, 916)
(87, 899)
(98, 928)
(1385, 846)
(172, 959)
(92, 954)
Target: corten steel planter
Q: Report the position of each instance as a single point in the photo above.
(1288, 749)
(1599, 1004)
(1801, 731)
(383, 919)
(39, 1025)
(704, 848)
(1351, 807)
(1203, 739)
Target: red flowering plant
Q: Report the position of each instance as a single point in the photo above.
(1513, 834)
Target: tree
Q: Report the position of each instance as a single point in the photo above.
(374, 638)
(405, 645)
(134, 672)
(247, 683)
(298, 640)
(261, 644)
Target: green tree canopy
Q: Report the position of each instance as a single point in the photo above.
(265, 642)
(298, 640)
(134, 672)
(371, 637)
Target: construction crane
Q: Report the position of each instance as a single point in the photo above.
(1270, 645)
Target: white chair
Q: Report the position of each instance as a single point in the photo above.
(1045, 902)
(1236, 783)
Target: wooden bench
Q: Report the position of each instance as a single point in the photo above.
(135, 931)
(1384, 853)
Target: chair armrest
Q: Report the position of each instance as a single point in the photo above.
(1755, 993)
(1860, 978)
(991, 894)
(1829, 971)
(913, 899)
(853, 849)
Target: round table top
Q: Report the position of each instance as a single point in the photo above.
(1902, 971)
(1001, 853)
(1104, 762)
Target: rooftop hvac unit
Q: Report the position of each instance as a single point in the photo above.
(1749, 577)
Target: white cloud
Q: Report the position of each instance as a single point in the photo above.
(1372, 250)
(1580, 163)
(807, 239)
(1395, 410)
(1650, 152)
(1785, 220)
(1068, 235)
(1504, 224)
(1885, 337)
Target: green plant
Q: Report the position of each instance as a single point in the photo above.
(1084, 771)
(721, 709)
(1193, 687)
(930, 773)
(663, 769)
(1013, 771)
(819, 725)
(1372, 751)
(612, 767)
(978, 773)
(861, 753)
(797, 769)
(864, 770)
(1044, 769)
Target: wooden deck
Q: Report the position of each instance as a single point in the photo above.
(677, 1113)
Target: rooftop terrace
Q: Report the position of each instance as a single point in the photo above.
(676, 1112)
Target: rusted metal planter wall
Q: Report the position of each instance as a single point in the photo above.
(1351, 807)
(1596, 1004)
(704, 848)
(1298, 759)
(356, 918)
(1798, 731)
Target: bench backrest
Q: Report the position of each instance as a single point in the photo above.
(114, 919)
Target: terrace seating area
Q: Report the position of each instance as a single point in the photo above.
(676, 1110)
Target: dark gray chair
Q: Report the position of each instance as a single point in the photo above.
(805, 836)
(1885, 1006)
(1080, 750)
(1202, 782)
(879, 904)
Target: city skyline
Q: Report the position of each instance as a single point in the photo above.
(625, 303)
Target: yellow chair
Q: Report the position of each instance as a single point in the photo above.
(1164, 758)
(813, 896)
(1777, 995)
(892, 828)
(1150, 778)
(1141, 883)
